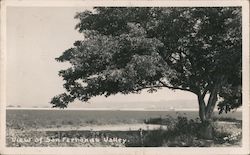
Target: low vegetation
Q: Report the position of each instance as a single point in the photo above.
(180, 132)
(184, 133)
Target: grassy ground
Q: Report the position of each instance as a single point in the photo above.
(181, 132)
(26, 119)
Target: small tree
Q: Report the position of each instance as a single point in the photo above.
(126, 50)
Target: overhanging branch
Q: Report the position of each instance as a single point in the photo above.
(162, 86)
(171, 87)
(147, 87)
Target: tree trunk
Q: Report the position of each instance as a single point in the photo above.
(207, 130)
(202, 109)
(212, 101)
(205, 113)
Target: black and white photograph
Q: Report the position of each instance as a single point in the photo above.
(130, 75)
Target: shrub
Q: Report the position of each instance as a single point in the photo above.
(168, 120)
(154, 138)
(226, 137)
(184, 133)
(153, 121)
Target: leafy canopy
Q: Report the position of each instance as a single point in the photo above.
(128, 49)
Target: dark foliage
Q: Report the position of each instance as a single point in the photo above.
(128, 49)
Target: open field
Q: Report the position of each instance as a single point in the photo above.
(88, 128)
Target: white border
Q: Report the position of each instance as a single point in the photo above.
(245, 77)
(2, 75)
(130, 3)
(140, 151)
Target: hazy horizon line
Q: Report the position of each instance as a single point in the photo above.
(115, 109)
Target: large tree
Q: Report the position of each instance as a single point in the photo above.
(128, 49)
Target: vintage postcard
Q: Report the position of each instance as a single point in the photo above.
(124, 77)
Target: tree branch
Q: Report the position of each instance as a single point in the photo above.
(146, 87)
(205, 91)
(161, 86)
(171, 87)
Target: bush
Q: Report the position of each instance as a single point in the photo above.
(185, 133)
(154, 121)
(182, 133)
(154, 138)
(168, 120)
(221, 137)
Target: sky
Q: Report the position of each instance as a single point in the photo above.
(35, 37)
